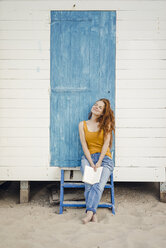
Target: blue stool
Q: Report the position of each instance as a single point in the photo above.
(64, 184)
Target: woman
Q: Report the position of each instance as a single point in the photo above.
(96, 140)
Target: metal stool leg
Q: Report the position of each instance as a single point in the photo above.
(61, 192)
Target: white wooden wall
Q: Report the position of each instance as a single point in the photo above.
(25, 88)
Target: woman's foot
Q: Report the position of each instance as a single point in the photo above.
(88, 217)
(94, 218)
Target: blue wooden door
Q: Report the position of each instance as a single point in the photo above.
(82, 71)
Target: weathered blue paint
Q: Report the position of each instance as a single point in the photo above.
(82, 71)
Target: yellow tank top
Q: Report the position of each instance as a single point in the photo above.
(95, 141)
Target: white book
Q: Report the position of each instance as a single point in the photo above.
(90, 176)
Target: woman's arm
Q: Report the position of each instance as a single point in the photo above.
(104, 150)
(84, 144)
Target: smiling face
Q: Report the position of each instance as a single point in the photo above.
(97, 108)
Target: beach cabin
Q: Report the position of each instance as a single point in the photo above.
(56, 59)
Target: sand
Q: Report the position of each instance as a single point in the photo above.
(140, 220)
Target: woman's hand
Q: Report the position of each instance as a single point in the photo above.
(92, 165)
(98, 164)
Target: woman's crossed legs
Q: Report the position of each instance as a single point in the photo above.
(93, 193)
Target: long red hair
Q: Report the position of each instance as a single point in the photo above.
(106, 120)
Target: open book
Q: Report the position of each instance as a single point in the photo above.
(90, 176)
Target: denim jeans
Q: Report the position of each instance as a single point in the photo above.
(94, 192)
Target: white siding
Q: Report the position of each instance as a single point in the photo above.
(25, 88)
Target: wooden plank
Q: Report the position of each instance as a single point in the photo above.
(24, 64)
(157, 15)
(34, 64)
(141, 45)
(142, 113)
(135, 10)
(25, 93)
(16, 12)
(139, 25)
(68, 5)
(24, 25)
(25, 74)
(132, 64)
(24, 123)
(141, 132)
(153, 24)
(24, 103)
(144, 104)
(126, 151)
(140, 74)
(146, 142)
(24, 113)
(126, 54)
(24, 34)
(163, 192)
(162, 24)
(141, 35)
(24, 191)
(139, 174)
(140, 54)
(141, 83)
(22, 162)
(25, 84)
(24, 152)
(25, 54)
(24, 132)
(30, 173)
(140, 123)
(140, 162)
(129, 174)
(24, 142)
(141, 93)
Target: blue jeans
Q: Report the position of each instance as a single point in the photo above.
(94, 192)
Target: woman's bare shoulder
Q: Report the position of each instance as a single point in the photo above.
(81, 124)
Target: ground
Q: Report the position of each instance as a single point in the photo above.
(140, 219)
